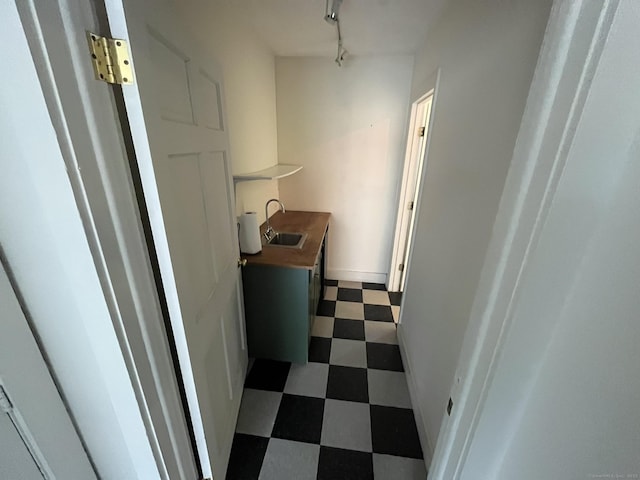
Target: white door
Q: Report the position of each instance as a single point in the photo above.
(412, 174)
(37, 438)
(413, 182)
(176, 115)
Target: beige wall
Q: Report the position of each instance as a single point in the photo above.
(347, 126)
(250, 93)
(487, 53)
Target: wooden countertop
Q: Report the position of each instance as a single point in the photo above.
(314, 224)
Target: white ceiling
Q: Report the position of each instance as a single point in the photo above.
(297, 27)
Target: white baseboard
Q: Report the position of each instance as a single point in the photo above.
(352, 276)
(415, 401)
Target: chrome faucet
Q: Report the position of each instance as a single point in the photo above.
(270, 232)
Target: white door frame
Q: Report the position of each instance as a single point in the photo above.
(97, 257)
(413, 172)
(575, 36)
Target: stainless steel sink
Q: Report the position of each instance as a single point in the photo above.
(288, 239)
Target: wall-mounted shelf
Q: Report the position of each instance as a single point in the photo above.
(271, 173)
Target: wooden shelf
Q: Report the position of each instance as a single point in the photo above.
(271, 173)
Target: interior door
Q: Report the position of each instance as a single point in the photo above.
(415, 174)
(409, 193)
(176, 116)
(37, 438)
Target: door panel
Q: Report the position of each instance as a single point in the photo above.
(209, 110)
(176, 114)
(188, 233)
(233, 335)
(36, 433)
(217, 193)
(16, 463)
(172, 74)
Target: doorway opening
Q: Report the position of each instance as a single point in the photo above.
(417, 142)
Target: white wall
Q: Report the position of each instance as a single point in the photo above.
(347, 127)
(250, 92)
(563, 401)
(487, 53)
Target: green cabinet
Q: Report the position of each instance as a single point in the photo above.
(280, 305)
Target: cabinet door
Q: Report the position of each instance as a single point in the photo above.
(277, 308)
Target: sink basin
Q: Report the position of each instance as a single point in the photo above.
(287, 239)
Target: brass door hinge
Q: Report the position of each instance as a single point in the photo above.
(110, 59)
(421, 132)
(401, 267)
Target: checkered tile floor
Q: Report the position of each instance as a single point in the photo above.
(344, 415)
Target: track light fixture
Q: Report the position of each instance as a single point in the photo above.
(332, 9)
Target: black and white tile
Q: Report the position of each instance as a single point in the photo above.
(344, 415)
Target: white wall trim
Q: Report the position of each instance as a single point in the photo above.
(570, 52)
(354, 276)
(425, 441)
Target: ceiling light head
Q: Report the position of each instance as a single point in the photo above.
(331, 11)
(331, 18)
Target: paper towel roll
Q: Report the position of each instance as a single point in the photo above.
(250, 233)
